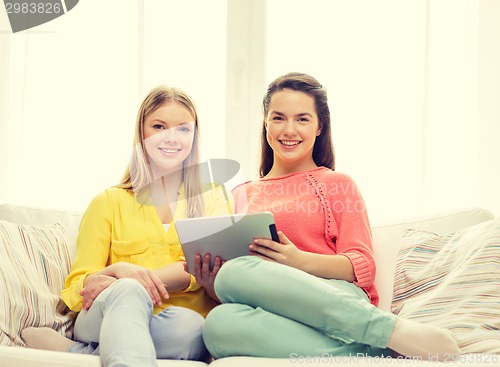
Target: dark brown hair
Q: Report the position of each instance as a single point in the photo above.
(323, 152)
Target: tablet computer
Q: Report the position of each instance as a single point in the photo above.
(226, 236)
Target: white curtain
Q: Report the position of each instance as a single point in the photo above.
(75, 85)
(413, 85)
(403, 83)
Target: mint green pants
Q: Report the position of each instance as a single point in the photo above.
(273, 310)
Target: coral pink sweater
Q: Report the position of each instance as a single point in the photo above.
(320, 211)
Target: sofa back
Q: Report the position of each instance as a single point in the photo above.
(387, 237)
(38, 217)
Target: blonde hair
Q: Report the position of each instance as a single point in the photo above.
(138, 175)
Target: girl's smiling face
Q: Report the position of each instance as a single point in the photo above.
(291, 130)
(168, 137)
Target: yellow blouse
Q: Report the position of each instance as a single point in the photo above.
(115, 227)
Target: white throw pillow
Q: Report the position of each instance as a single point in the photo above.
(453, 281)
(34, 262)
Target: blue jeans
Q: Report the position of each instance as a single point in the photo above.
(273, 310)
(121, 328)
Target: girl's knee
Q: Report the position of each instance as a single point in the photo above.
(190, 321)
(128, 290)
(222, 323)
(214, 322)
(177, 334)
(192, 337)
(128, 285)
(232, 275)
(227, 316)
(213, 330)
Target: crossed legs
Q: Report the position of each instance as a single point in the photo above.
(272, 310)
(121, 328)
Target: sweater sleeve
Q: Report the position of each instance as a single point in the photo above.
(240, 198)
(354, 239)
(92, 252)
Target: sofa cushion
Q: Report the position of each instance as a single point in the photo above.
(24, 357)
(324, 360)
(34, 261)
(453, 281)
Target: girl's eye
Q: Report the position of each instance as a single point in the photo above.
(184, 129)
(158, 127)
(303, 120)
(277, 118)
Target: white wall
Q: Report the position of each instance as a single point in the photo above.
(73, 91)
(4, 104)
(410, 86)
(451, 146)
(414, 88)
(371, 57)
(76, 84)
(246, 83)
(184, 45)
(489, 104)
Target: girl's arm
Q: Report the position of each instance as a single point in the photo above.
(157, 283)
(353, 238)
(328, 266)
(92, 253)
(173, 276)
(91, 273)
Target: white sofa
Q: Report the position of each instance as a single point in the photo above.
(386, 237)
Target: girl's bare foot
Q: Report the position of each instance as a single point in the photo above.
(45, 338)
